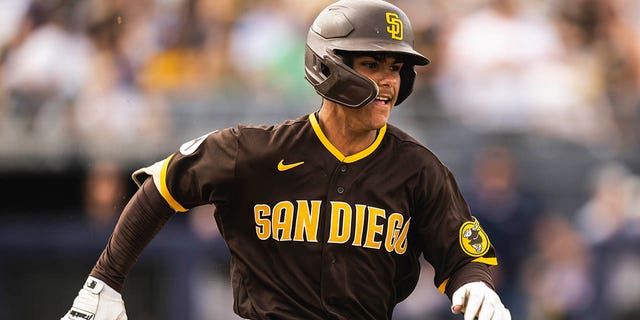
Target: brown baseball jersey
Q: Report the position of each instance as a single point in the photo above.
(315, 234)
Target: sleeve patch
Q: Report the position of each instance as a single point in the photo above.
(473, 240)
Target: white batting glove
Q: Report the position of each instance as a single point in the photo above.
(476, 299)
(96, 301)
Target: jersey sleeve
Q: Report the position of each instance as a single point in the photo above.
(452, 240)
(200, 172)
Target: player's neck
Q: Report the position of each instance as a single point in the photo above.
(336, 124)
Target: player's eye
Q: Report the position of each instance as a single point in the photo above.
(370, 65)
(396, 67)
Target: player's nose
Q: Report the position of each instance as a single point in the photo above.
(387, 78)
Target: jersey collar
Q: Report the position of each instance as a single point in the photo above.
(335, 152)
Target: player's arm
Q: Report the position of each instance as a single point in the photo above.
(195, 175)
(142, 218)
(460, 251)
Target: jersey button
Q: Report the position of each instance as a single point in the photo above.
(340, 190)
(343, 168)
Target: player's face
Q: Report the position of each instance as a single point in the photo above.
(385, 72)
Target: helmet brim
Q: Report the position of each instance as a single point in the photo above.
(368, 45)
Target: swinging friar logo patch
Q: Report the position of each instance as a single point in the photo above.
(473, 240)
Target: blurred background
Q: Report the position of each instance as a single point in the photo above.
(534, 105)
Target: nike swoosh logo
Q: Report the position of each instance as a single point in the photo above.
(285, 167)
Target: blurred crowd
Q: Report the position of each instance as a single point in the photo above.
(77, 76)
(127, 81)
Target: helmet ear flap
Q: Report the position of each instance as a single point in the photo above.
(335, 81)
(407, 78)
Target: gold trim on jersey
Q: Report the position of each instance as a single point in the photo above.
(158, 172)
(492, 261)
(443, 286)
(336, 153)
(164, 191)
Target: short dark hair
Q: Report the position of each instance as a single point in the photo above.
(349, 56)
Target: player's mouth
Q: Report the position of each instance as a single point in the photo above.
(383, 99)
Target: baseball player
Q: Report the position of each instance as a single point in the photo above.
(325, 216)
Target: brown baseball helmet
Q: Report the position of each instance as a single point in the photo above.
(363, 26)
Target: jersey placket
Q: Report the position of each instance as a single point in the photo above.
(336, 191)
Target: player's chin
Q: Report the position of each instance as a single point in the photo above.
(378, 121)
(380, 114)
(377, 114)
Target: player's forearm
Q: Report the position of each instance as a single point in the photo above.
(142, 218)
(471, 272)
